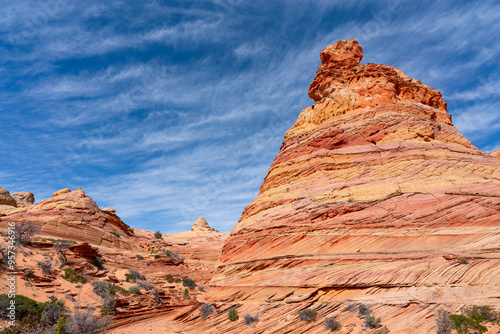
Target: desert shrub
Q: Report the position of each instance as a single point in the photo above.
(139, 257)
(145, 285)
(188, 282)
(332, 325)
(201, 288)
(364, 310)
(206, 310)
(108, 304)
(61, 325)
(232, 314)
(481, 313)
(372, 322)
(98, 262)
(73, 276)
(156, 295)
(52, 312)
(113, 289)
(29, 272)
(101, 288)
(115, 234)
(174, 255)
(85, 322)
(186, 292)
(157, 256)
(46, 267)
(465, 325)
(31, 316)
(250, 319)
(172, 279)
(444, 323)
(158, 235)
(24, 231)
(135, 290)
(133, 276)
(462, 260)
(307, 315)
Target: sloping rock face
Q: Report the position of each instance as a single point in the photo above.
(24, 198)
(75, 216)
(372, 197)
(6, 198)
(201, 226)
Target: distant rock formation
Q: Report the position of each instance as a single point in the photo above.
(6, 199)
(373, 195)
(201, 226)
(75, 216)
(24, 198)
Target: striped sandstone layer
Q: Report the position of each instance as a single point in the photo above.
(372, 197)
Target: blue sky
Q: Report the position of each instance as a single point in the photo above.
(171, 110)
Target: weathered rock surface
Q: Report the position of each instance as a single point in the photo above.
(372, 198)
(6, 198)
(24, 198)
(75, 216)
(201, 226)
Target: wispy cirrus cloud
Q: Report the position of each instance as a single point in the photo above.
(169, 111)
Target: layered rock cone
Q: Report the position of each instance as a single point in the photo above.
(201, 226)
(372, 197)
(75, 216)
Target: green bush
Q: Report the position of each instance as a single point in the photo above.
(462, 260)
(115, 234)
(158, 235)
(134, 275)
(134, 290)
(73, 276)
(61, 325)
(464, 325)
(139, 257)
(232, 314)
(172, 279)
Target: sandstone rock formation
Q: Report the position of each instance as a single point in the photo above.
(496, 154)
(75, 216)
(6, 198)
(201, 226)
(24, 198)
(372, 198)
(60, 192)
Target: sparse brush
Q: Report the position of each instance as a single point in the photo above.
(98, 262)
(372, 322)
(135, 290)
(73, 276)
(206, 310)
(46, 267)
(52, 312)
(462, 260)
(145, 285)
(332, 325)
(364, 310)
(250, 319)
(444, 323)
(307, 315)
(108, 304)
(158, 235)
(156, 295)
(188, 282)
(85, 322)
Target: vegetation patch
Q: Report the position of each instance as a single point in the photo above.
(73, 276)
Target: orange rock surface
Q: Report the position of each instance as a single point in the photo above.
(75, 216)
(372, 198)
